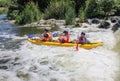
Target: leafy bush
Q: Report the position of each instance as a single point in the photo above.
(5, 3)
(70, 16)
(117, 7)
(29, 14)
(13, 12)
(97, 8)
(78, 4)
(57, 9)
(81, 15)
(91, 8)
(107, 6)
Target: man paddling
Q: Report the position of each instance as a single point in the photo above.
(46, 36)
(82, 39)
(64, 38)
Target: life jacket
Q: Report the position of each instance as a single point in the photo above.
(65, 39)
(82, 40)
(47, 38)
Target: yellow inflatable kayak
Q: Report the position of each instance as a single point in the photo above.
(86, 46)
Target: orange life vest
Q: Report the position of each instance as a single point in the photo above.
(48, 38)
(65, 39)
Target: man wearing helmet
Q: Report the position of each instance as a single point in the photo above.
(64, 38)
(46, 35)
(82, 39)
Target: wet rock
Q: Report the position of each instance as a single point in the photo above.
(44, 62)
(53, 79)
(78, 24)
(3, 61)
(113, 20)
(51, 21)
(33, 68)
(85, 26)
(60, 22)
(3, 67)
(116, 27)
(16, 59)
(105, 25)
(95, 21)
(22, 74)
(119, 21)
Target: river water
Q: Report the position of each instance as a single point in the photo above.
(22, 61)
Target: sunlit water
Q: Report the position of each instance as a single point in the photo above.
(22, 61)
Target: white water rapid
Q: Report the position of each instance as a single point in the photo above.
(31, 62)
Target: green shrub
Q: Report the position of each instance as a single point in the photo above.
(81, 15)
(13, 12)
(78, 4)
(57, 9)
(117, 7)
(91, 8)
(29, 14)
(5, 3)
(70, 16)
(107, 6)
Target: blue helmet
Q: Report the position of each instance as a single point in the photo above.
(82, 33)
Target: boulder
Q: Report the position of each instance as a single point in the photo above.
(104, 24)
(113, 20)
(116, 27)
(119, 21)
(95, 21)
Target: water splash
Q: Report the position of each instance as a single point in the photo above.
(50, 63)
(32, 62)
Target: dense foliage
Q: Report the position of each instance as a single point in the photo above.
(57, 9)
(29, 14)
(62, 9)
(5, 3)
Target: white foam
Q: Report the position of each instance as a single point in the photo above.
(51, 63)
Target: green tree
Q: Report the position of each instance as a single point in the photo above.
(82, 15)
(91, 8)
(57, 9)
(78, 4)
(70, 16)
(107, 7)
(117, 7)
(42, 4)
(5, 3)
(29, 14)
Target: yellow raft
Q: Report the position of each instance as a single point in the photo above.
(86, 46)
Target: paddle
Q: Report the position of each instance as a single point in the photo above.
(30, 36)
(77, 47)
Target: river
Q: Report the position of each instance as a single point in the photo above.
(22, 61)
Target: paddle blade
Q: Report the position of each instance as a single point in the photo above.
(30, 36)
(77, 48)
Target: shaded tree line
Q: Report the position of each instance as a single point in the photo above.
(27, 11)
